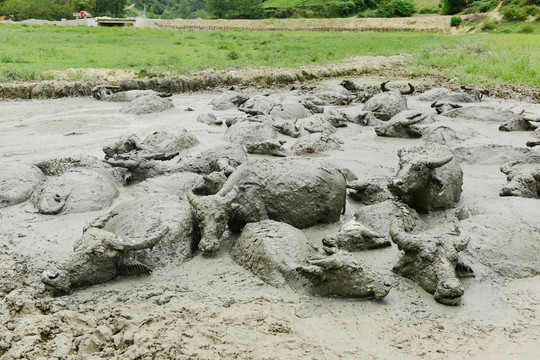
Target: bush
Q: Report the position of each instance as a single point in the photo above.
(429, 10)
(481, 6)
(401, 8)
(392, 8)
(451, 7)
(455, 20)
(490, 25)
(513, 13)
(527, 29)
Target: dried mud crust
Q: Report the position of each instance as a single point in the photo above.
(386, 66)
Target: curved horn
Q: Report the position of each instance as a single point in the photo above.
(383, 86)
(411, 120)
(440, 162)
(408, 92)
(466, 88)
(370, 234)
(118, 243)
(128, 164)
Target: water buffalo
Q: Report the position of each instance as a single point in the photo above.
(354, 236)
(429, 178)
(403, 124)
(443, 94)
(133, 238)
(430, 260)
(388, 103)
(519, 122)
(76, 184)
(299, 192)
(523, 180)
(17, 182)
(284, 257)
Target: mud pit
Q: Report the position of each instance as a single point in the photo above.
(212, 308)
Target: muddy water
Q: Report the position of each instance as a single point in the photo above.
(211, 308)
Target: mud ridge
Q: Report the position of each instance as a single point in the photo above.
(384, 66)
(205, 80)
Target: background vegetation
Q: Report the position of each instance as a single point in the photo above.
(513, 10)
(30, 51)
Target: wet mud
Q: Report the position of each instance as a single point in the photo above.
(213, 308)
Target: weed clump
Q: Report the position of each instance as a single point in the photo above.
(527, 29)
(490, 25)
(232, 55)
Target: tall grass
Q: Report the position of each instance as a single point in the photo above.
(28, 52)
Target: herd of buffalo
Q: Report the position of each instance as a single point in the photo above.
(188, 199)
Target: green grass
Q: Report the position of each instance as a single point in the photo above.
(532, 27)
(426, 3)
(28, 52)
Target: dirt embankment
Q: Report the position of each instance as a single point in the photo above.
(207, 79)
(381, 66)
(434, 23)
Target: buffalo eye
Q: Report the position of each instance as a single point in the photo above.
(418, 168)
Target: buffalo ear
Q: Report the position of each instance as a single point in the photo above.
(132, 267)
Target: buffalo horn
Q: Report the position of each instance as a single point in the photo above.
(440, 162)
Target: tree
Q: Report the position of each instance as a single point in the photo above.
(184, 9)
(451, 7)
(218, 8)
(87, 5)
(37, 9)
(247, 9)
(110, 8)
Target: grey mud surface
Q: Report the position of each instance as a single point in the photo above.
(211, 308)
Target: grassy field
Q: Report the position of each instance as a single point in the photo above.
(29, 51)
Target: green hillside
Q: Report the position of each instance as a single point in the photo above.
(420, 4)
(290, 3)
